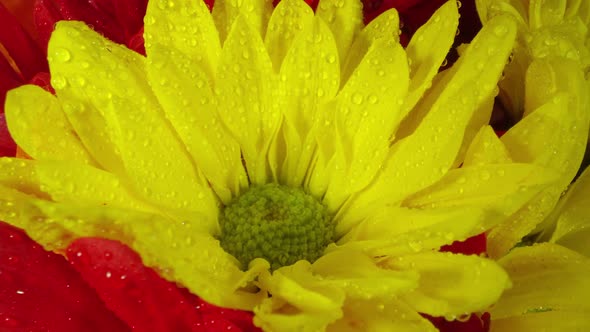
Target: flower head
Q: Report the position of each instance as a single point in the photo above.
(176, 152)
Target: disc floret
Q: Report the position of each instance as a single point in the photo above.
(277, 223)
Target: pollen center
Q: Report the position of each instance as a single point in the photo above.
(277, 223)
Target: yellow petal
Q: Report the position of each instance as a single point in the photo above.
(399, 231)
(247, 97)
(423, 157)
(486, 148)
(549, 282)
(573, 224)
(345, 19)
(367, 110)
(309, 77)
(215, 152)
(68, 182)
(299, 302)
(256, 13)
(427, 50)
(551, 321)
(188, 28)
(546, 13)
(155, 161)
(386, 25)
(20, 174)
(476, 186)
(360, 277)
(370, 315)
(38, 125)
(289, 18)
(452, 285)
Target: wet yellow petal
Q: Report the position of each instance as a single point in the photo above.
(546, 13)
(427, 50)
(247, 97)
(186, 27)
(155, 161)
(450, 284)
(550, 284)
(371, 315)
(255, 13)
(299, 302)
(309, 77)
(486, 148)
(367, 110)
(423, 157)
(39, 127)
(386, 25)
(476, 186)
(80, 184)
(551, 321)
(20, 174)
(361, 278)
(345, 19)
(289, 18)
(573, 224)
(399, 231)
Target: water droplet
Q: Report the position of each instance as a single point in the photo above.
(500, 30)
(62, 55)
(108, 274)
(357, 98)
(58, 82)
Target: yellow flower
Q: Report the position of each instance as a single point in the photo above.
(249, 118)
(546, 84)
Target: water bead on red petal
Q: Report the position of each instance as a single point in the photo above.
(39, 291)
(140, 297)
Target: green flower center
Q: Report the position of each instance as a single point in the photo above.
(277, 223)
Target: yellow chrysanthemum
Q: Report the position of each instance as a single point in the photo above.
(249, 117)
(545, 83)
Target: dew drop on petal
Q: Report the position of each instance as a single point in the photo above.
(62, 55)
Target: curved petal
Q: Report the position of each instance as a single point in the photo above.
(452, 285)
(550, 290)
(37, 124)
(112, 79)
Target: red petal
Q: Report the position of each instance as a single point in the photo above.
(474, 245)
(43, 80)
(141, 298)
(39, 291)
(137, 43)
(7, 145)
(474, 323)
(49, 12)
(20, 46)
